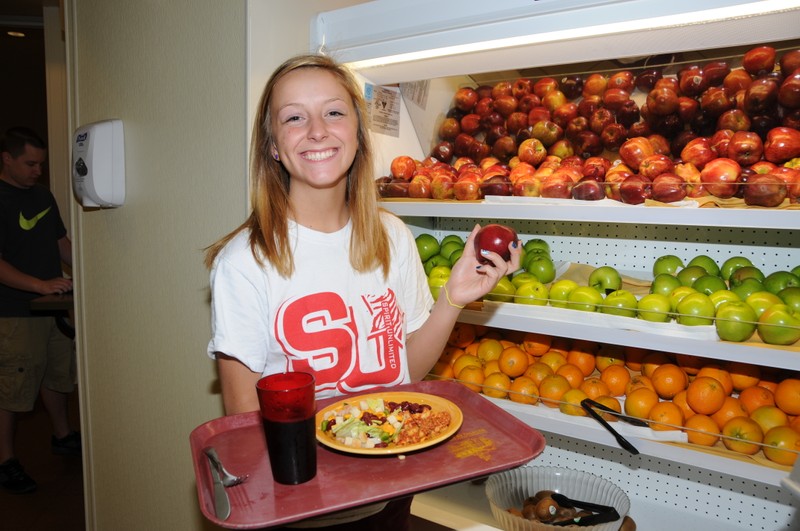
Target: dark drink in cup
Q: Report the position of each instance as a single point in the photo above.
(287, 410)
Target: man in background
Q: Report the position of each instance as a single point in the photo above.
(35, 357)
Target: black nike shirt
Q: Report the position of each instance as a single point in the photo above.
(30, 227)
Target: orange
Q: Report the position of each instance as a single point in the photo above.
(743, 375)
(466, 361)
(572, 373)
(491, 367)
(462, 335)
(537, 371)
(701, 429)
(720, 374)
(680, 401)
(513, 361)
(561, 351)
(536, 344)
(769, 417)
(669, 380)
(489, 349)
(731, 407)
(787, 396)
(634, 357)
(472, 377)
(524, 391)
(640, 402)
(608, 355)
(583, 360)
(756, 396)
(690, 364)
(795, 423)
(665, 416)
(594, 387)
(554, 359)
(616, 377)
(637, 381)
(451, 354)
(705, 395)
(507, 343)
(552, 389)
(571, 403)
(783, 444)
(496, 385)
(442, 371)
(743, 435)
(472, 348)
(767, 383)
(610, 402)
(653, 360)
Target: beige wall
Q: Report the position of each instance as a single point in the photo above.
(176, 74)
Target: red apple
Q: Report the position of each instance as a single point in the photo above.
(502, 88)
(762, 166)
(467, 187)
(505, 105)
(719, 141)
(528, 102)
(492, 119)
(527, 187)
(596, 168)
(504, 147)
(588, 189)
(759, 60)
(403, 167)
(737, 80)
(465, 99)
(564, 113)
(662, 101)
(761, 97)
(462, 145)
(588, 144)
(660, 144)
(553, 99)
(516, 122)
(671, 83)
(547, 132)
(495, 238)
(538, 114)
(634, 150)
(716, 100)
(715, 72)
(575, 126)
(595, 84)
(719, 177)
(734, 119)
(496, 185)
(782, 144)
(763, 124)
(698, 151)
(420, 187)
(589, 104)
(789, 91)
(470, 124)
(562, 148)
(521, 171)
(765, 190)
(745, 147)
(613, 136)
(628, 113)
(443, 151)
(484, 106)
(692, 81)
(636, 189)
(557, 185)
(646, 79)
(668, 188)
(544, 85)
(479, 150)
(687, 108)
(532, 151)
(789, 62)
(624, 79)
(791, 119)
(680, 140)
(484, 91)
(639, 129)
(614, 97)
(522, 87)
(571, 86)
(655, 165)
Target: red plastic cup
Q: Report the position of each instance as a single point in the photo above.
(288, 407)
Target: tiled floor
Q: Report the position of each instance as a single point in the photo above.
(58, 502)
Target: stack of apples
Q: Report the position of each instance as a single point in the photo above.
(717, 129)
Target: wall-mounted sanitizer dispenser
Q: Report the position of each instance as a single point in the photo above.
(98, 164)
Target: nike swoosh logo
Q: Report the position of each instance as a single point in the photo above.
(28, 224)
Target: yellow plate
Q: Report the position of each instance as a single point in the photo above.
(437, 404)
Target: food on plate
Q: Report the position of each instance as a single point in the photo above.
(375, 423)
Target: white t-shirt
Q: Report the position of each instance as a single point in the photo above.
(349, 328)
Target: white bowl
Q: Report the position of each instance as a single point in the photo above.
(510, 488)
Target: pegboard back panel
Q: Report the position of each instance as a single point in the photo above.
(635, 247)
(674, 495)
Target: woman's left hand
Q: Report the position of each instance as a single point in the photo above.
(470, 280)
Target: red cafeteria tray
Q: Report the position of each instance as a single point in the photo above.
(489, 440)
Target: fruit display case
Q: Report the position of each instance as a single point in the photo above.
(629, 237)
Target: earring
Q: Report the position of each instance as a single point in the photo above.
(276, 156)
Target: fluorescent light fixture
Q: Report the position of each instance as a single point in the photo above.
(15, 34)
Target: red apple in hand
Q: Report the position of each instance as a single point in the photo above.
(720, 177)
(745, 147)
(782, 144)
(494, 238)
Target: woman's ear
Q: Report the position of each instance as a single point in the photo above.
(274, 151)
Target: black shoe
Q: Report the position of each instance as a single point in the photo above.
(69, 445)
(13, 478)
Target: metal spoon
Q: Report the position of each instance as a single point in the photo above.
(228, 479)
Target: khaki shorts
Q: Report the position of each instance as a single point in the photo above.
(33, 352)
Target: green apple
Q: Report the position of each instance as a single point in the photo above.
(779, 325)
(708, 284)
(678, 294)
(664, 283)
(584, 298)
(503, 291)
(735, 321)
(791, 297)
(759, 301)
(605, 279)
(559, 292)
(654, 307)
(732, 264)
(706, 262)
(722, 296)
(522, 277)
(434, 261)
(689, 274)
(455, 256)
(746, 287)
(745, 272)
(453, 238)
(778, 280)
(541, 266)
(532, 292)
(427, 246)
(449, 248)
(669, 264)
(441, 271)
(620, 302)
(695, 309)
(796, 270)
(536, 244)
(435, 284)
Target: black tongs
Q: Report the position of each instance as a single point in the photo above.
(603, 513)
(588, 405)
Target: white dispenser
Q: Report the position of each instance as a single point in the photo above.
(98, 164)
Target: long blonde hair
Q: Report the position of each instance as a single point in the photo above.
(269, 186)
